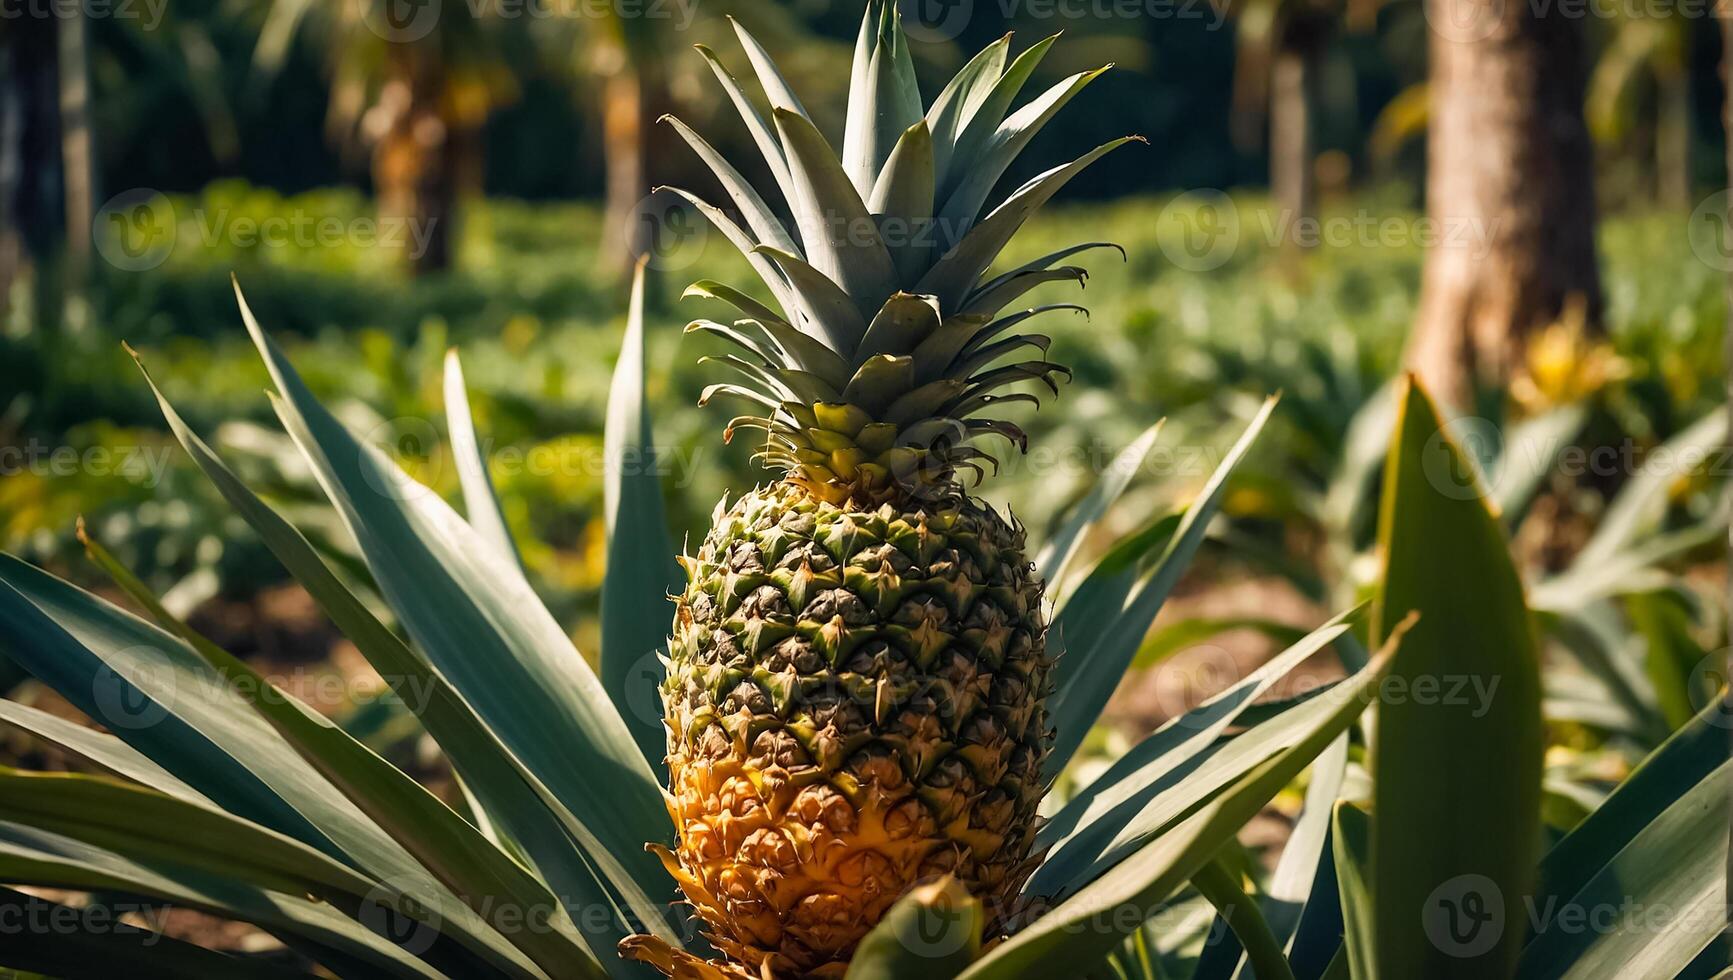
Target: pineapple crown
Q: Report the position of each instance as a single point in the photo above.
(891, 352)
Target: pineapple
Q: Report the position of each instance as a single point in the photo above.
(855, 698)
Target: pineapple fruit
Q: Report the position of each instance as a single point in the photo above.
(858, 668)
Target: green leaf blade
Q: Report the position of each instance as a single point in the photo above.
(641, 571)
(1456, 806)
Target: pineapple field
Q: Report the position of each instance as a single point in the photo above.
(879, 554)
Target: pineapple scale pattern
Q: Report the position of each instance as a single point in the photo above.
(855, 702)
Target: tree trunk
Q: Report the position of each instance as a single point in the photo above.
(634, 95)
(78, 165)
(416, 164)
(625, 125)
(1293, 81)
(34, 213)
(1510, 192)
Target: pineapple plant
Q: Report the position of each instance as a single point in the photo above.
(858, 674)
(864, 705)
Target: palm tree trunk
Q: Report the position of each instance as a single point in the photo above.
(1293, 83)
(416, 166)
(1291, 137)
(33, 160)
(75, 141)
(1510, 191)
(624, 132)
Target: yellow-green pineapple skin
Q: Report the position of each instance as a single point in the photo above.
(855, 702)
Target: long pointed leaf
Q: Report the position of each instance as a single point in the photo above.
(158, 694)
(1164, 776)
(1054, 559)
(984, 170)
(34, 857)
(455, 852)
(967, 90)
(1091, 669)
(776, 88)
(99, 749)
(884, 100)
(755, 124)
(954, 276)
(766, 227)
(1352, 834)
(641, 571)
(480, 503)
(512, 795)
(1456, 778)
(984, 120)
(41, 943)
(483, 628)
(1673, 867)
(838, 234)
(1085, 926)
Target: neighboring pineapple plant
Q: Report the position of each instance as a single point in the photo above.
(859, 671)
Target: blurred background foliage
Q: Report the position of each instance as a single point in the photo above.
(526, 146)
